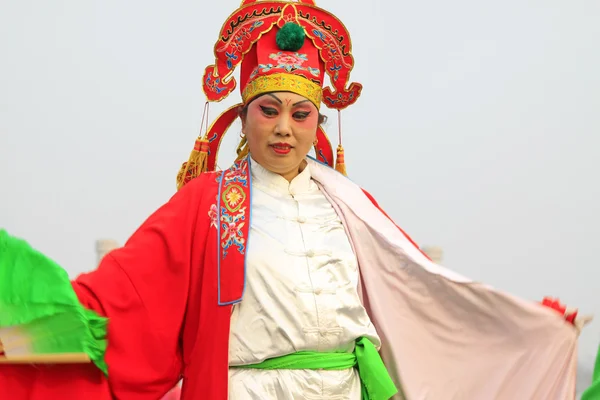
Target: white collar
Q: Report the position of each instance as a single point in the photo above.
(276, 183)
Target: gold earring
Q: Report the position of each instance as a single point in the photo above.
(316, 142)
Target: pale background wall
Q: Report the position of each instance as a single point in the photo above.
(478, 128)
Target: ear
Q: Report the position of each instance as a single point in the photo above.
(243, 116)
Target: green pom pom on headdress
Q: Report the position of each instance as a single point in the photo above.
(290, 37)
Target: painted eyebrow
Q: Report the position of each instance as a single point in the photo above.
(275, 97)
(300, 102)
(281, 102)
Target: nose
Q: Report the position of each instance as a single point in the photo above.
(284, 126)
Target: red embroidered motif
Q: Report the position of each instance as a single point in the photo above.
(233, 197)
(212, 214)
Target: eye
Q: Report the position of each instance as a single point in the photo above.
(268, 111)
(301, 115)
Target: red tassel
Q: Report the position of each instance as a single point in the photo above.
(340, 164)
(196, 164)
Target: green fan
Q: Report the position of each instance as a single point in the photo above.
(41, 319)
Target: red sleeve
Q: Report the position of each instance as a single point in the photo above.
(43, 382)
(142, 288)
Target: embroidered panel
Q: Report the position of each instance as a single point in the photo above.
(231, 218)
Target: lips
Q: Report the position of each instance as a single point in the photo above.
(281, 148)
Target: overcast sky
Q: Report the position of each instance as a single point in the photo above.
(478, 129)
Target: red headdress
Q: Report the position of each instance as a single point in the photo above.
(281, 46)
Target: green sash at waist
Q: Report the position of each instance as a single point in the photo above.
(375, 381)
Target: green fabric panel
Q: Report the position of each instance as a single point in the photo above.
(593, 392)
(375, 380)
(374, 376)
(36, 297)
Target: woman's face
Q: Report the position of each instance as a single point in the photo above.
(281, 128)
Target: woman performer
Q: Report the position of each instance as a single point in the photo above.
(279, 278)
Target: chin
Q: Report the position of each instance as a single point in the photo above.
(280, 166)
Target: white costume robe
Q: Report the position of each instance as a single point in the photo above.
(301, 293)
(443, 336)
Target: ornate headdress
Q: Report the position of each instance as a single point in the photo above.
(281, 46)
